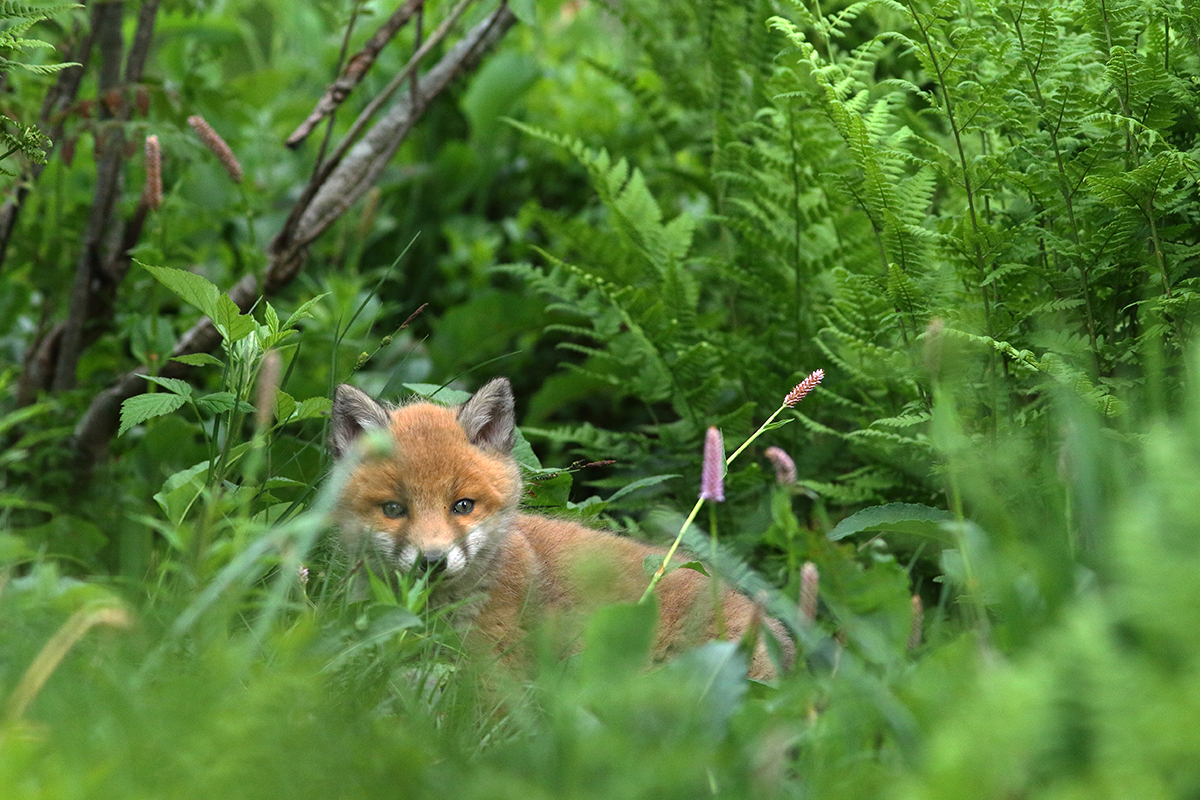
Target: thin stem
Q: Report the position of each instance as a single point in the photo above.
(658, 575)
(754, 435)
(962, 157)
(797, 230)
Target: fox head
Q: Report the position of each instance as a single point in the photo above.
(441, 497)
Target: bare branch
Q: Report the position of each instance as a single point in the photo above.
(315, 214)
(111, 143)
(323, 170)
(142, 36)
(97, 275)
(354, 71)
(51, 120)
(368, 158)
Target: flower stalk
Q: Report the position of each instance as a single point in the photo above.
(213, 141)
(797, 394)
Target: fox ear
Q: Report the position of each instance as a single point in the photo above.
(488, 417)
(353, 412)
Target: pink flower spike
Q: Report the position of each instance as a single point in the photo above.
(914, 636)
(785, 468)
(213, 141)
(803, 388)
(809, 588)
(712, 475)
(152, 192)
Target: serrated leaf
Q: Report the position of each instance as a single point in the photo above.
(272, 318)
(303, 311)
(312, 407)
(285, 404)
(180, 491)
(223, 402)
(142, 407)
(233, 324)
(192, 288)
(903, 517)
(199, 360)
(173, 384)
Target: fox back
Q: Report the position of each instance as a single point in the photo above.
(438, 494)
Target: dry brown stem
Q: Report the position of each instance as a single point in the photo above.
(355, 69)
(331, 194)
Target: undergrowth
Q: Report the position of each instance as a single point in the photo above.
(979, 219)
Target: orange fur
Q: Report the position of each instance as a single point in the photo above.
(446, 498)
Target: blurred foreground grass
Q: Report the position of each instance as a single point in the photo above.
(1059, 658)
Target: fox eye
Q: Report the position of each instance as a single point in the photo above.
(463, 506)
(392, 510)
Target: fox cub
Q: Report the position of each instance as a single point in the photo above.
(444, 501)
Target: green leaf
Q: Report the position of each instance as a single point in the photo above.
(12, 501)
(233, 324)
(223, 402)
(180, 491)
(285, 405)
(550, 492)
(439, 392)
(903, 517)
(199, 360)
(524, 10)
(13, 549)
(271, 317)
(312, 407)
(182, 388)
(137, 410)
(695, 566)
(22, 415)
(720, 668)
(204, 295)
(524, 455)
(192, 288)
(305, 310)
(779, 423)
(279, 482)
(641, 483)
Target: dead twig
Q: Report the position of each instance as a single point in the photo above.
(102, 266)
(354, 70)
(323, 171)
(331, 198)
(351, 171)
(110, 139)
(51, 120)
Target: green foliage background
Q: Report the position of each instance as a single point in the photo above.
(979, 218)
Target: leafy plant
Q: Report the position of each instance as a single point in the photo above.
(15, 138)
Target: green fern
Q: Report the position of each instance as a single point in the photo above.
(14, 48)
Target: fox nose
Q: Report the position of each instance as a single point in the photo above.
(432, 561)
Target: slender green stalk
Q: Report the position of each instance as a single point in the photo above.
(795, 396)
